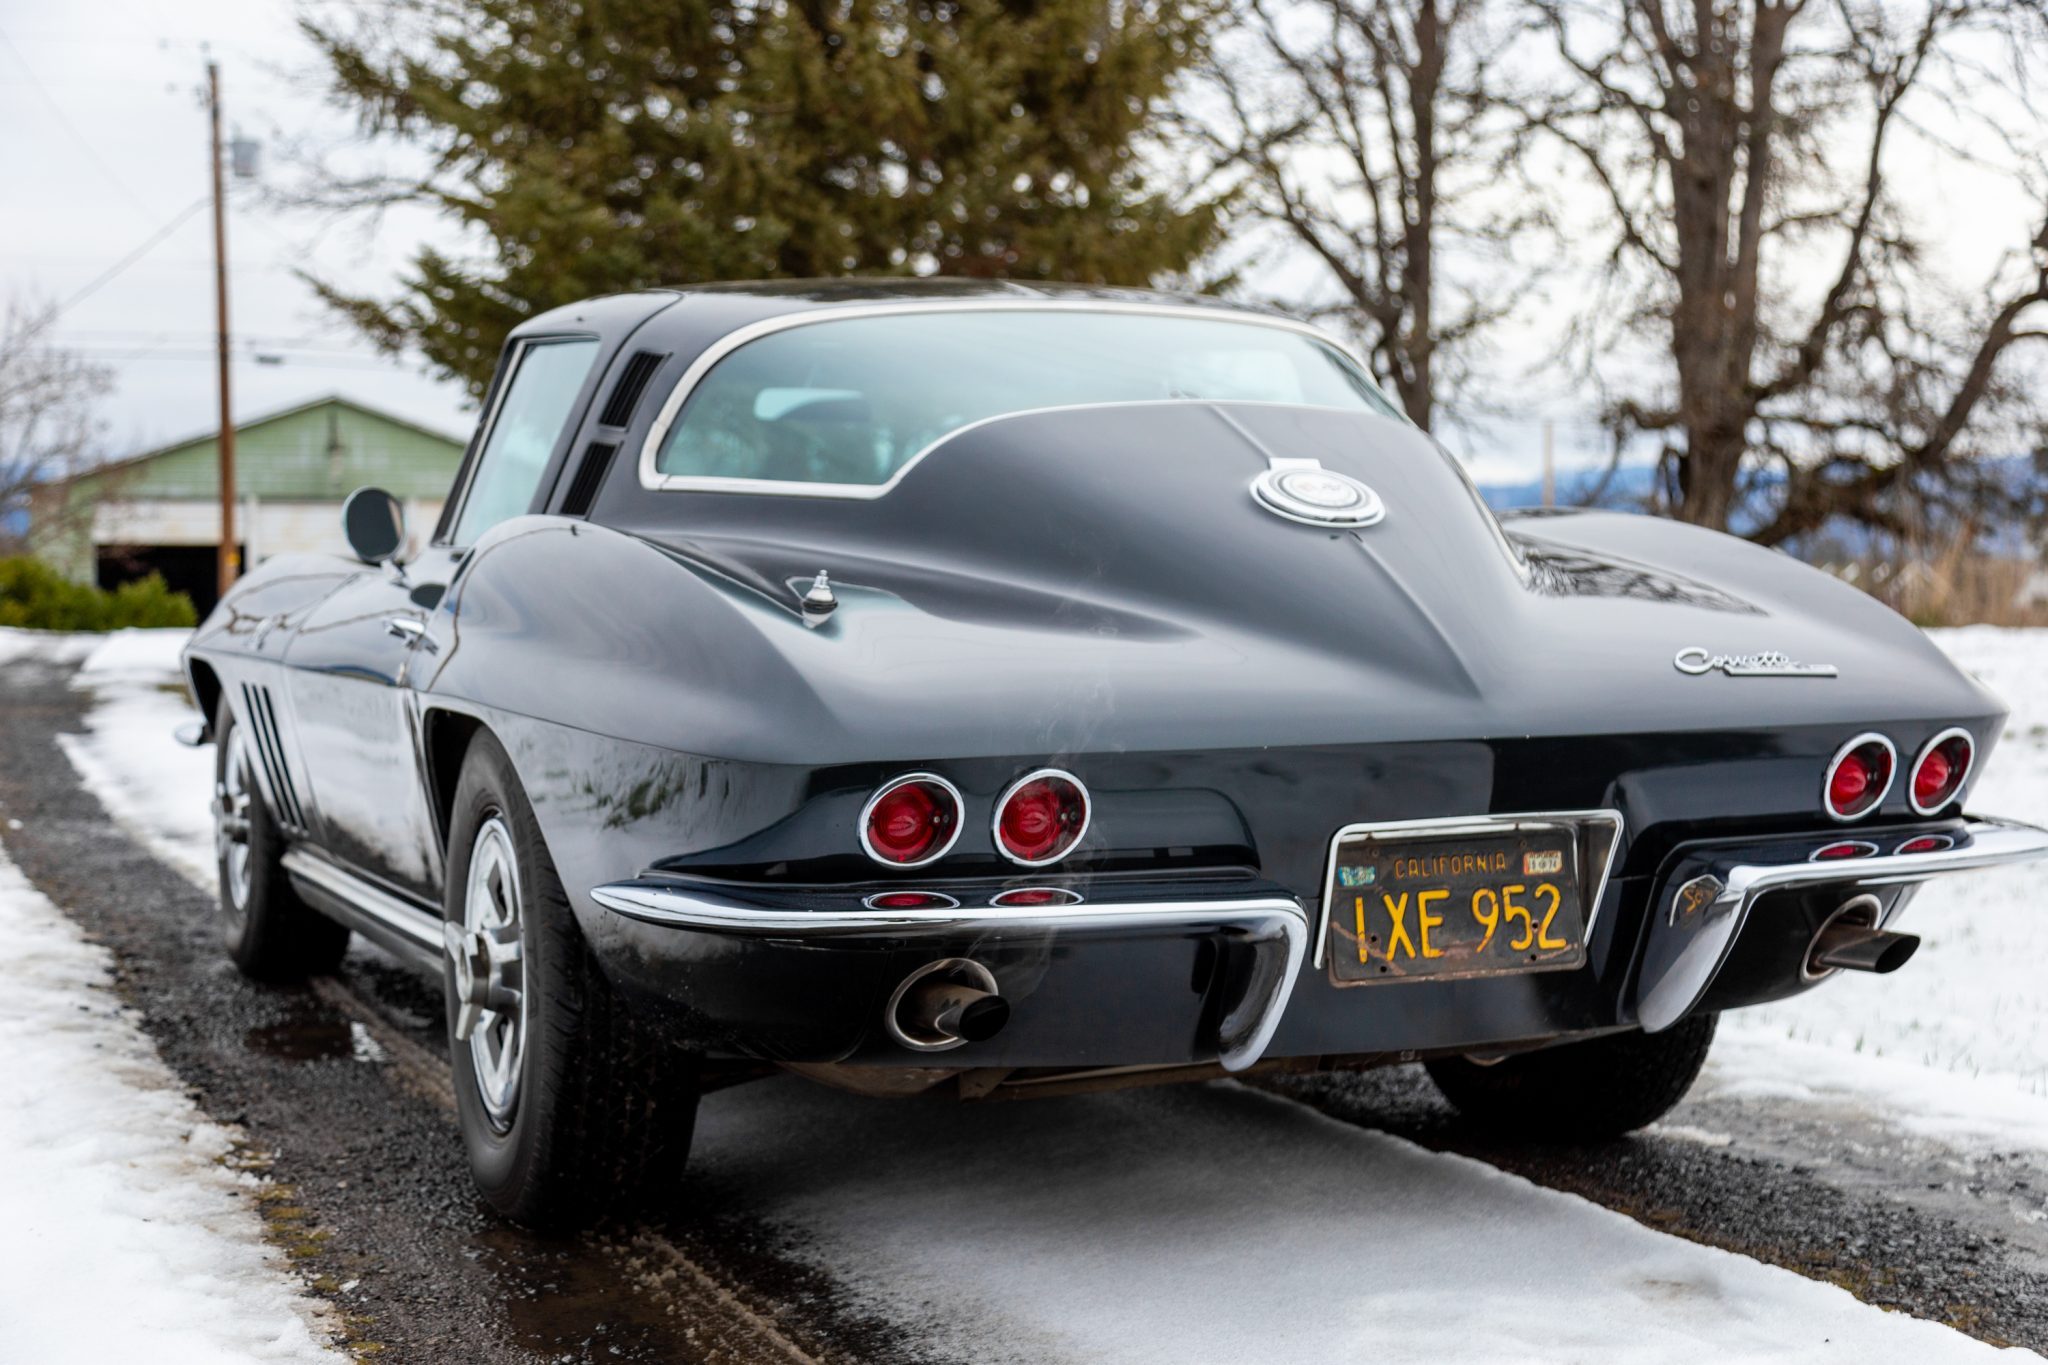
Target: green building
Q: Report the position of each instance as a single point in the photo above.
(160, 510)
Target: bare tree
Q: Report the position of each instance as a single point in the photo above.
(1745, 154)
(48, 422)
(1366, 132)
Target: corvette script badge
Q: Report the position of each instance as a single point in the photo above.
(1767, 664)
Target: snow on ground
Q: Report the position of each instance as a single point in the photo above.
(125, 1237)
(159, 789)
(1956, 1044)
(1215, 1223)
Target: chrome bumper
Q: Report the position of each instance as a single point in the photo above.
(1276, 928)
(1706, 900)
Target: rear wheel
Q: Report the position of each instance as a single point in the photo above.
(270, 933)
(1579, 1092)
(569, 1107)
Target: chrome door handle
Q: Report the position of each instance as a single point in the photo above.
(405, 628)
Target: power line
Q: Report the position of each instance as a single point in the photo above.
(91, 152)
(132, 257)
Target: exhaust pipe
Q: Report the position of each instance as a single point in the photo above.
(1851, 941)
(947, 1003)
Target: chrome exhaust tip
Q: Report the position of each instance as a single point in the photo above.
(946, 1004)
(1849, 940)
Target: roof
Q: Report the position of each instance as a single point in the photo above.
(735, 303)
(281, 453)
(247, 423)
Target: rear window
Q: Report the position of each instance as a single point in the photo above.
(851, 401)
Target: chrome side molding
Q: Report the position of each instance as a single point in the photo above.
(405, 929)
(1275, 928)
(1705, 902)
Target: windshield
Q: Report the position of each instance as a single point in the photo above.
(851, 401)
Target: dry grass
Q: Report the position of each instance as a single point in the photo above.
(1953, 585)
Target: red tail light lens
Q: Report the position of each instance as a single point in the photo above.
(911, 900)
(1859, 776)
(1939, 772)
(1041, 817)
(1036, 896)
(911, 821)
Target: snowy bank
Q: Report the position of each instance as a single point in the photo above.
(126, 1238)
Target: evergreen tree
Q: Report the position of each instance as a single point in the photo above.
(607, 145)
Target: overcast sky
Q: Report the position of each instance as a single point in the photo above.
(106, 143)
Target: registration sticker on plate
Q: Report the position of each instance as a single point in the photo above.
(1455, 905)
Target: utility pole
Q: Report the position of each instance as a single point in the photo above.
(230, 558)
(1549, 462)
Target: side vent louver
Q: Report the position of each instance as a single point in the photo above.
(263, 725)
(597, 458)
(618, 409)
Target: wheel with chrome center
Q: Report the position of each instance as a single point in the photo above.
(269, 931)
(569, 1105)
(486, 960)
(231, 795)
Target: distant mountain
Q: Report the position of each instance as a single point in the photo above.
(1627, 490)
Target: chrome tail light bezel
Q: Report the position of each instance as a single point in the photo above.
(995, 824)
(944, 847)
(1891, 775)
(1962, 777)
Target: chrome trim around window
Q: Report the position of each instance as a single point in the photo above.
(1969, 769)
(1242, 1035)
(995, 821)
(652, 479)
(1827, 781)
(959, 818)
(1580, 822)
(473, 456)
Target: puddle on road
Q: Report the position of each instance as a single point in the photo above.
(309, 1038)
(574, 1301)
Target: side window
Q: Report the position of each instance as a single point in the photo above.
(537, 402)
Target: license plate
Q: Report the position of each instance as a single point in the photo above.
(1455, 905)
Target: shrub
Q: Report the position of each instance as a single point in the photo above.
(37, 597)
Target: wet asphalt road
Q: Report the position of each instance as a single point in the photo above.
(340, 1088)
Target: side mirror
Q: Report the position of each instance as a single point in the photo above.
(374, 522)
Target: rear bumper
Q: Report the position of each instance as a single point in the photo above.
(1199, 971)
(1710, 894)
(1151, 972)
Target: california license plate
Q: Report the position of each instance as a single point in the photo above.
(1455, 905)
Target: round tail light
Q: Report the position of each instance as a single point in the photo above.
(1859, 776)
(1939, 772)
(1041, 817)
(911, 821)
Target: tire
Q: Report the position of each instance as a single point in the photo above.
(590, 1114)
(1579, 1092)
(270, 933)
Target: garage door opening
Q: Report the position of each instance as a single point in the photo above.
(189, 569)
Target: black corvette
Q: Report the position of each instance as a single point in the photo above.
(985, 691)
